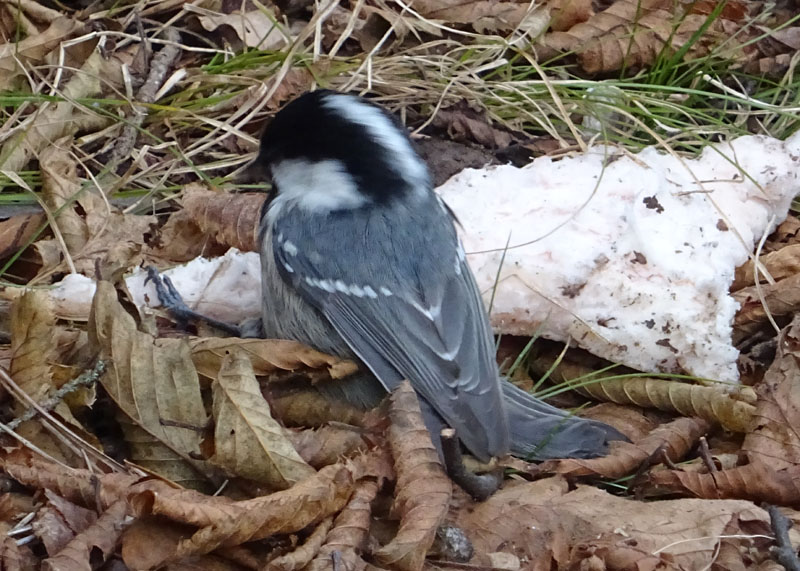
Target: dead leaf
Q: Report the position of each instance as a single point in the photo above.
(302, 556)
(154, 383)
(32, 341)
(60, 189)
(679, 436)
(466, 124)
(267, 356)
(350, 531)
(327, 444)
(567, 13)
(775, 439)
(423, 488)
(779, 264)
(231, 219)
(99, 539)
(62, 118)
(227, 523)
(782, 299)
(258, 29)
(715, 403)
(17, 231)
(59, 521)
(248, 442)
(31, 51)
(757, 481)
(82, 487)
(553, 527)
(485, 16)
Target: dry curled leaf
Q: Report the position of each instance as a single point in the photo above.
(756, 481)
(327, 444)
(232, 219)
(267, 356)
(248, 442)
(775, 440)
(423, 488)
(350, 531)
(678, 436)
(781, 299)
(226, 523)
(779, 264)
(59, 521)
(155, 384)
(99, 539)
(16, 231)
(551, 526)
(712, 403)
(31, 51)
(302, 555)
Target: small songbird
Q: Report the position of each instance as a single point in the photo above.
(361, 259)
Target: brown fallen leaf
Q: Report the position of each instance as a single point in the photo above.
(29, 52)
(567, 13)
(226, 523)
(267, 356)
(248, 442)
(348, 537)
(63, 118)
(782, 299)
(232, 219)
(423, 488)
(775, 439)
(258, 28)
(779, 264)
(757, 481)
(328, 444)
(463, 123)
(32, 344)
(59, 521)
(15, 557)
(308, 406)
(97, 541)
(180, 240)
(484, 15)
(15, 232)
(679, 436)
(155, 384)
(787, 233)
(553, 527)
(302, 555)
(150, 542)
(80, 486)
(715, 403)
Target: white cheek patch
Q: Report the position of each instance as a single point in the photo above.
(321, 186)
(409, 166)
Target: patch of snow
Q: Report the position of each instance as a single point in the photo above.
(630, 256)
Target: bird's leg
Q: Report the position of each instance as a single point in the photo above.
(479, 486)
(174, 304)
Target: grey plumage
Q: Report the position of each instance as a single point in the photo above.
(377, 273)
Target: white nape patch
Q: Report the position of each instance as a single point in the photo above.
(409, 166)
(320, 186)
(289, 248)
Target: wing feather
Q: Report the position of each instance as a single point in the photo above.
(407, 312)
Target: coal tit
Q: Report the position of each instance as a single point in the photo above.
(361, 259)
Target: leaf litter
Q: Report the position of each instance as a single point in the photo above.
(228, 453)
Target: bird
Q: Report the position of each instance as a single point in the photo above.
(360, 258)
